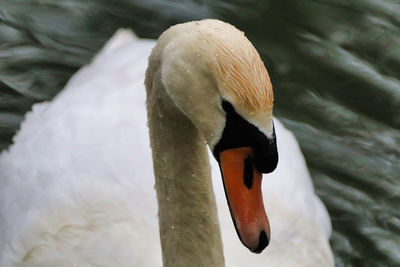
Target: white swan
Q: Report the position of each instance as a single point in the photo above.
(76, 188)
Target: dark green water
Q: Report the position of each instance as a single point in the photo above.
(335, 66)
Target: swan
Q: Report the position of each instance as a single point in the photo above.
(76, 187)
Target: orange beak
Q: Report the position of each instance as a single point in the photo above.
(242, 182)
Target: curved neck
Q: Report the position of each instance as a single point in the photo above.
(189, 229)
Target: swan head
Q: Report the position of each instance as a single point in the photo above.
(215, 76)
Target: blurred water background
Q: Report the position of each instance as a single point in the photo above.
(335, 67)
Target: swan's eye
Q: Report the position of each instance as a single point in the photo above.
(227, 107)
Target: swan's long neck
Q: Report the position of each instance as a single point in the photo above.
(189, 229)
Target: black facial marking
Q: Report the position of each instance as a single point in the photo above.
(240, 133)
(248, 173)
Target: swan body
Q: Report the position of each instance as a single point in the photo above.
(76, 186)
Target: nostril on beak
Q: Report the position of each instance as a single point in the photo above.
(262, 242)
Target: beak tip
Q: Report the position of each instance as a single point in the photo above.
(263, 242)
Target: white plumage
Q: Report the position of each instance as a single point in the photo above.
(76, 188)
